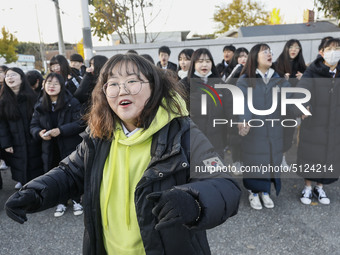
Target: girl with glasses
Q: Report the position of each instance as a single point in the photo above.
(134, 169)
(291, 65)
(22, 153)
(57, 123)
(261, 145)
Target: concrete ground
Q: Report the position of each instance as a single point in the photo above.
(289, 228)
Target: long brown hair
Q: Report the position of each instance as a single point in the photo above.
(283, 62)
(102, 119)
(251, 65)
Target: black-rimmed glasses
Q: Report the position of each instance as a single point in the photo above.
(132, 87)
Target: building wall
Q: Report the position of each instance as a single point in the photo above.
(24, 62)
(309, 42)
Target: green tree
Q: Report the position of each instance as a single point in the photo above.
(79, 48)
(8, 46)
(330, 8)
(120, 16)
(238, 13)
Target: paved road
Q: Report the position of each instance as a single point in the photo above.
(289, 228)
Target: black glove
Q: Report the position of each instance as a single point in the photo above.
(174, 206)
(21, 202)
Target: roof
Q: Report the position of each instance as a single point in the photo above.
(288, 29)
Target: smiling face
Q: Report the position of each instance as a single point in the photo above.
(184, 62)
(264, 59)
(52, 88)
(203, 65)
(126, 106)
(294, 50)
(13, 80)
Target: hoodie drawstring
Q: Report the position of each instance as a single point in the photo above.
(127, 186)
(110, 181)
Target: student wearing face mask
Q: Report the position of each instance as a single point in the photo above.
(319, 140)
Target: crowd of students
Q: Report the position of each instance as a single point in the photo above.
(268, 144)
(49, 120)
(41, 118)
(132, 163)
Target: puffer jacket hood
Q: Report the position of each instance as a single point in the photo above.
(320, 69)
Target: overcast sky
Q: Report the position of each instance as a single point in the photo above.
(21, 17)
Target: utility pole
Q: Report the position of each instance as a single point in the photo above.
(87, 38)
(42, 48)
(61, 44)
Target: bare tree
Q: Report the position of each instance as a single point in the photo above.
(122, 17)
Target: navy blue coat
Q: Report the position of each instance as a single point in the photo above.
(262, 145)
(319, 141)
(69, 123)
(218, 135)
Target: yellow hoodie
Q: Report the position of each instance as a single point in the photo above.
(127, 160)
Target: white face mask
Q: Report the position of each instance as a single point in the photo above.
(332, 57)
